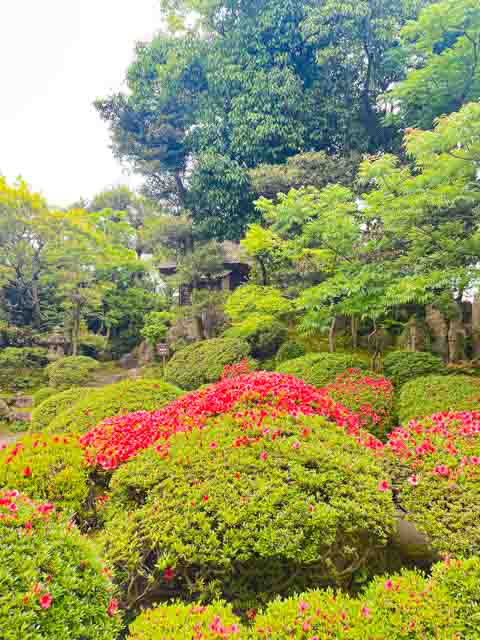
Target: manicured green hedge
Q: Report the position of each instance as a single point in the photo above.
(289, 351)
(44, 413)
(71, 371)
(402, 366)
(124, 397)
(42, 394)
(318, 369)
(248, 512)
(52, 584)
(203, 362)
(433, 394)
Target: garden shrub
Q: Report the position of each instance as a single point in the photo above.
(23, 358)
(118, 439)
(289, 351)
(255, 300)
(42, 394)
(368, 396)
(52, 584)
(263, 334)
(44, 413)
(203, 362)
(402, 366)
(47, 468)
(185, 621)
(436, 462)
(112, 400)
(71, 371)
(22, 380)
(318, 369)
(434, 394)
(248, 509)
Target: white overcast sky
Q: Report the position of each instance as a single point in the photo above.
(56, 57)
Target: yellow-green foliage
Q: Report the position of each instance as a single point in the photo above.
(436, 394)
(42, 394)
(116, 399)
(263, 334)
(55, 404)
(252, 299)
(319, 369)
(203, 362)
(70, 372)
(47, 468)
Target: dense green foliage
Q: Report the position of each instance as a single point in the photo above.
(434, 394)
(52, 583)
(203, 362)
(47, 468)
(23, 358)
(22, 380)
(289, 351)
(264, 335)
(128, 396)
(266, 516)
(72, 371)
(402, 366)
(52, 406)
(42, 394)
(319, 369)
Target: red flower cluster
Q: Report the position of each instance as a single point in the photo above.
(447, 444)
(234, 370)
(118, 439)
(14, 504)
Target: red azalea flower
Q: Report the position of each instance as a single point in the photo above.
(112, 607)
(27, 472)
(168, 574)
(46, 601)
(263, 455)
(383, 486)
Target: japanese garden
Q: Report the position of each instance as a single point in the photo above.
(243, 399)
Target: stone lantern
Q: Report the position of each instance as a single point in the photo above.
(56, 344)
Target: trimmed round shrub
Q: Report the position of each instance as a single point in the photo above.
(47, 468)
(289, 351)
(434, 394)
(71, 371)
(45, 412)
(402, 366)
(52, 584)
(116, 440)
(184, 621)
(263, 334)
(246, 510)
(319, 369)
(436, 467)
(115, 399)
(368, 396)
(203, 362)
(42, 394)
(23, 358)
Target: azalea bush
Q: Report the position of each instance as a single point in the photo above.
(48, 468)
(52, 584)
(92, 406)
(368, 396)
(117, 440)
(54, 404)
(319, 369)
(246, 508)
(184, 621)
(71, 371)
(434, 394)
(402, 366)
(203, 362)
(42, 394)
(437, 465)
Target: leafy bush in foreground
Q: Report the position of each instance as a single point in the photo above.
(42, 394)
(402, 366)
(437, 462)
(203, 362)
(246, 509)
(54, 404)
(47, 468)
(118, 439)
(71, 371)
(396, 607)
(52, 585)
(435, 394)
(319, 369)
(369, 397)
(122, 398)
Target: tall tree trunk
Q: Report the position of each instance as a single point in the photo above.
(331, 336)
(354, 330)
